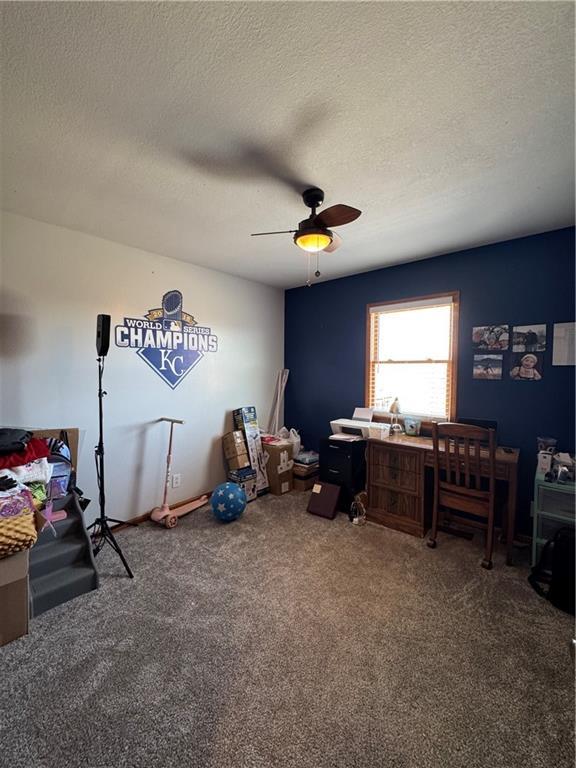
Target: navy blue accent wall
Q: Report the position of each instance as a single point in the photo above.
(519, 282)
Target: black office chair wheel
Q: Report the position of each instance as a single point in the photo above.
(487, 564)
(431, 543)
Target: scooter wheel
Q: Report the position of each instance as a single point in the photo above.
(170, 521)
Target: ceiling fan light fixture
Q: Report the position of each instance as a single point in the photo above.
(314, 240)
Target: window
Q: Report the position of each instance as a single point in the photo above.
(412, 356)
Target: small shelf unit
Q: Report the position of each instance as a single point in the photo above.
(554, 507)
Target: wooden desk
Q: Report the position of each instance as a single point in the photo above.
(397, 488)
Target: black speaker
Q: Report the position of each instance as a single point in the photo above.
(102, 335)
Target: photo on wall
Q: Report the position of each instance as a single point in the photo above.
(487, 367)
(564, 344)
(526, 367)
(490, 337)
(529, 338)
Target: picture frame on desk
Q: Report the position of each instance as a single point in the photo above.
(412, 426)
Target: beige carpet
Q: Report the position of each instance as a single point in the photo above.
(285, 640)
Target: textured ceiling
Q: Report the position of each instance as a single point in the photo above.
(179, 128)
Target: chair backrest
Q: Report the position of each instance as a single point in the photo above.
(460, 450)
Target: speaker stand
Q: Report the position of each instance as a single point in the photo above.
(101, 533)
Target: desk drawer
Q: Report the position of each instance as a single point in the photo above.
(397, 479)
(394, 503)
(336, 474)
(400, 511)
(503, 470)
(339, 462)
(556, 500)
(395, 458)
(340, 472)
(329, 449)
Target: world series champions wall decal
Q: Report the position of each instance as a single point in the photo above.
(168, 339)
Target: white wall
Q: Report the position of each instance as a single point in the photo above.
(53, 283)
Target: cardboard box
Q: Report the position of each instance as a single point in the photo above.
(279, 466)
(245, 419)
(234, 444)
(246, 481)
(239, 462)
(235, 450)
(73, 439)
(13, 597)
(304, 483)
(305, 470)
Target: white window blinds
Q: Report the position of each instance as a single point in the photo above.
(412, 356)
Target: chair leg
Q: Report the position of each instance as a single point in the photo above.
(434, 531)
(487, 562)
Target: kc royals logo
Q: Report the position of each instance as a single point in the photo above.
(168, 339)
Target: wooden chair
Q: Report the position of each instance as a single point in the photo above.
(465, 478)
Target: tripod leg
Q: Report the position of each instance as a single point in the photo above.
(104, 534)
(116, 547)
(124, 563)
(121, 522)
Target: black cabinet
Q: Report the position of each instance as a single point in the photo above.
(343, 463)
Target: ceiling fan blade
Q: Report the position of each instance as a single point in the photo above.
(336, 216)
(336, 243)
(280, 232)
(248, 161)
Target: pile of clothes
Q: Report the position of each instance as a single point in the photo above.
(33, 472)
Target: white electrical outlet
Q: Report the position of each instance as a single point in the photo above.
(176, 480)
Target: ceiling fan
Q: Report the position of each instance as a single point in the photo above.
(314, 234)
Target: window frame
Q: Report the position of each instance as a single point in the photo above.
(384, 416)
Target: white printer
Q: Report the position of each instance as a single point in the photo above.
(360, 425)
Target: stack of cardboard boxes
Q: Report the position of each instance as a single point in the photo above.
(306, 469)
(239, 468)
(235, 450)
(258, 464)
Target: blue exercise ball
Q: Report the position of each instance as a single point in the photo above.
(228, 502)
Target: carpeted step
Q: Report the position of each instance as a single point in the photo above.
(54, 555)
(62, 566)
(60, 586)
(64, 528)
